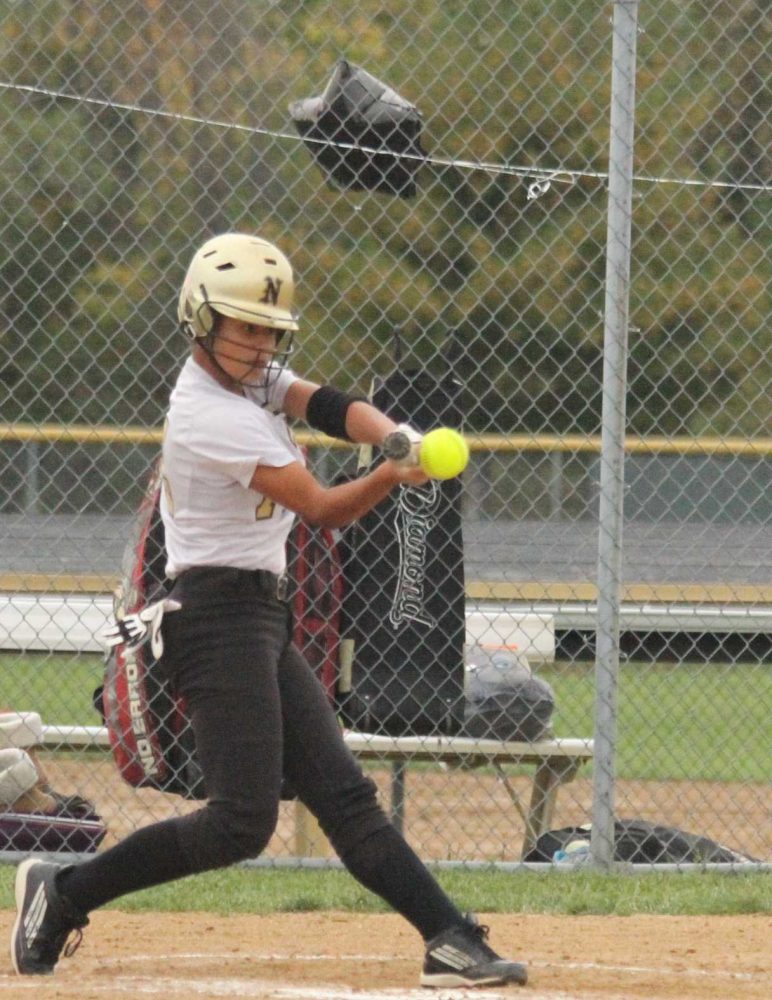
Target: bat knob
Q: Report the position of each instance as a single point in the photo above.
(402, 445)
(396, 446)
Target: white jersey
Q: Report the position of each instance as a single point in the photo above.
(213, 440)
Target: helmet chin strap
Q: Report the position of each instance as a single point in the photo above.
(270, 371)
(207, 342)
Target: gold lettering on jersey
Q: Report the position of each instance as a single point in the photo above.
(166, 486)
(265, 509)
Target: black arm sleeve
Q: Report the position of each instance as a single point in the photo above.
(327, 409)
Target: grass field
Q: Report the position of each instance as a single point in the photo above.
(673, 718)
(662, 708)
(272, 891)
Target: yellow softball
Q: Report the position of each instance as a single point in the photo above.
(444, 453)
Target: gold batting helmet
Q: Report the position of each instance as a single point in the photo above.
(244, 277)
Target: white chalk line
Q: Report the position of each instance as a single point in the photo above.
(288, 956)
(257, 989)
(642, 970)
(252, 989)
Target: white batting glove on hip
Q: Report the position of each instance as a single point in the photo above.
(136, 629)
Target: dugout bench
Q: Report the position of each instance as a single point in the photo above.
(556, 762)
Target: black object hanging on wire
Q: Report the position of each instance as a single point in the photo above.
(362, 134)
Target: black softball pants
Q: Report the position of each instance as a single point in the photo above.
(258, 713)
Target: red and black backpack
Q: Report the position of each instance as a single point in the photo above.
(150, 733)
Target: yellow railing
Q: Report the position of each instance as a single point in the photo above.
(485, 590)
(654, 444)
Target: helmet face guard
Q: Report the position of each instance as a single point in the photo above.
(277, 359)
(243, 277)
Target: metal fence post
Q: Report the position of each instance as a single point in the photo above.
(613, 423)
(31, 477)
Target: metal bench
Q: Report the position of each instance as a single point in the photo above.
(556, 761)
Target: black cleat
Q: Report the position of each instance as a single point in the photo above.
(461, 956)
(44, 920)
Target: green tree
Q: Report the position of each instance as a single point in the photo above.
(102, 205)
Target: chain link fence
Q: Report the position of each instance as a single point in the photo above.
(132, 132)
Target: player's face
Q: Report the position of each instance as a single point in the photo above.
(245, 350)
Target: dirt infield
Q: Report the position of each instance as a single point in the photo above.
(334, 956)
(461, 814)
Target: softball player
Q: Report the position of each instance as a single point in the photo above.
(233, 481)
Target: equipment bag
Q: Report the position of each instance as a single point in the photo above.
(50, 833)
(150, 733)
(316, 592)
(404, 587)
(640, 842)
(504, 700)
(33, 815)
(362, 134)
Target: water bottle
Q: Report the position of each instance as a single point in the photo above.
(507, 659)
(575, 854)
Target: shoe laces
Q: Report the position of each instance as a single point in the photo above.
(72, 942)
(52, 946)
(480, 933)
(66, 941)
(475, 928)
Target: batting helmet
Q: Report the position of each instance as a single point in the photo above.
(244, 277)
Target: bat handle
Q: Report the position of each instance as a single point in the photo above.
(402, 445)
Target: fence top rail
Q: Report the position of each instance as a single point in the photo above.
(760, 447)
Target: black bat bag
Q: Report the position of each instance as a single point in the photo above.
(402, 661)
